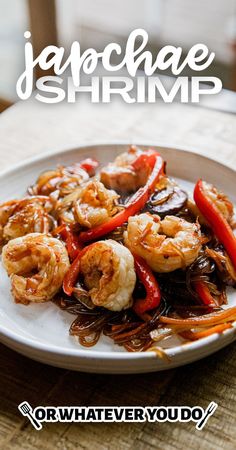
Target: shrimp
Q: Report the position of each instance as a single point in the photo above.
(6, 210)
(122, 176)
(28, 215)
(37, 264)
(90, 205)
(59, 182)
(166, 245)
(108, 270)
(219, 199)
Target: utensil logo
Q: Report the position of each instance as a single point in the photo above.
(27, 411)
(208, 412)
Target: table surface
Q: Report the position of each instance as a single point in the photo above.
(29, 128)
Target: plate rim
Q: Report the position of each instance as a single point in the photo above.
(64, 149)
(109, 355)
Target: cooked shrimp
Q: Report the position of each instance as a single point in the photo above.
(90, 205)
(95, 204)
(166, 245)
(37, 265)
(29, 215)
(220, 200)
(108, 270)
(6, 210)
(60, 181)
(121, 174)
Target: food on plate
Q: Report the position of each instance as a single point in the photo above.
(215, 197)
(107, 268)
(166, 245)
(63, 180)
(167, 198)
(128, 172)
(28, 215)
(89, 205)
(220, 200)
(37, 264)
(125, 250)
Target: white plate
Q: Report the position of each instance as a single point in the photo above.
(41, 331)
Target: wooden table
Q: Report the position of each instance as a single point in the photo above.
(29, 128)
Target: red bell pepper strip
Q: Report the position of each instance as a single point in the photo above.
(137, 202)
(72, 244)
(71, 240)
(89, 165)
(73, 272)
(204, 294)
(216, 220)
(145, 158)
(153, 294)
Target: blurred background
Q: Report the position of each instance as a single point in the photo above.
(96, 23)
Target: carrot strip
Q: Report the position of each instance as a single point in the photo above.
(210, 319)
(194, 336)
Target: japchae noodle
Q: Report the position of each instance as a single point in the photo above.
(125, 328)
